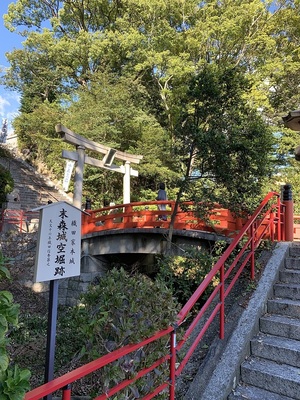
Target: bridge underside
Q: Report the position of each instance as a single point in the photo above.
(140, 246)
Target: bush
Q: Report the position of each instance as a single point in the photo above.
(183, 274)
(14, 382)
(6, 183)
(123, 309)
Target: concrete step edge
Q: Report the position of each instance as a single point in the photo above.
(280, 325)
(276, 348)
(286, 290)
(281, 319)
(283, 306)
(244, 392)
(282, 379)
(289, 276)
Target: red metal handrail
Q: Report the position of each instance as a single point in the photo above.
(267, 221)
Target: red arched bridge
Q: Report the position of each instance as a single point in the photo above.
(218, 220)
(148, 215)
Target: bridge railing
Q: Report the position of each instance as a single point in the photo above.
(18, 220)
(267, 221)
(296, 227)
(147, 215)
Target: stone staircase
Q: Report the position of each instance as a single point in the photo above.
(272, 371)
(35, 190)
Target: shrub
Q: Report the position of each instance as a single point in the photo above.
(183, 274)
(123, 309)
(14, 382)
(6, 183)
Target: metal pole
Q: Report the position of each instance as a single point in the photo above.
(252, 266)
(172, 366)
(126, 184)
(222, 301)
(279, 220)
(66, 394)
(51, 333)
(78, 181)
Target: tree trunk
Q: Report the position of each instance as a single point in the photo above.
(178, 198)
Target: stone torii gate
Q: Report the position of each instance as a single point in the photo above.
(110, 155)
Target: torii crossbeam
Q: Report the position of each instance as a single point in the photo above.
(110, 155)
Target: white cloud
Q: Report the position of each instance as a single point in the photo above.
(3, 104)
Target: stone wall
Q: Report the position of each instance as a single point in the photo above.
(20, 249)
(35, 190)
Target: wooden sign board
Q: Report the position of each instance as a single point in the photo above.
(59, 242)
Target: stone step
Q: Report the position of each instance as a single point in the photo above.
(278, 378)
(289, 276)
(294, 250)
(287, 307)
(35, 190)
(287, 290)
(244, 392)
(280, 325)
(275, 348)
(292, 262)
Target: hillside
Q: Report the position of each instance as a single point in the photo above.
(35, 189)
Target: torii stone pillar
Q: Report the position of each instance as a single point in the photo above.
(78, 180)
(126, 183)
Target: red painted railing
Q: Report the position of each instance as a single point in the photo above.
(267, 221)
(147, 215)
(20, 220)
(296, 227)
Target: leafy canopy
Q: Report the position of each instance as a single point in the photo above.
(122, 73)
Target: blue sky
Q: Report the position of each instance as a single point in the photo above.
(9, 101)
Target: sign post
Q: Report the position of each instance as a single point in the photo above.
(58, 257)
(51, 333)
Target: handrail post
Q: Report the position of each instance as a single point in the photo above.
(222, 301)
(85, 222)
(127, 209)
(21, 221)
(289, 212)
(252, 266)
(66, 394)
(279, 219)
(172, 365)
(272, 226)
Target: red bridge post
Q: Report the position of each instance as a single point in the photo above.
(287, 198)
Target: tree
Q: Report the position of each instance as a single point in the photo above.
(223, 143)
(159, 46)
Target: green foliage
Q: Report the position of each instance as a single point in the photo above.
(6, 180)
(122, 309)
(14, 382)
(37, 136)
(120, 73)
(229, 155)
(183, 274)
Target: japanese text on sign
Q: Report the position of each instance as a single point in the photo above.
(59, 242)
